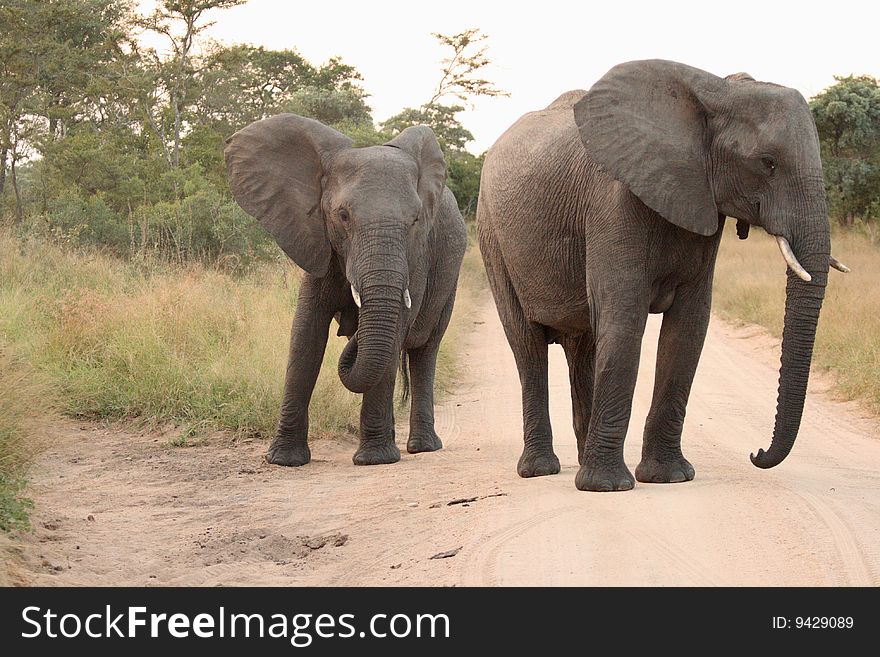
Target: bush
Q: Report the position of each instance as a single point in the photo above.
(86, 221)
(202, 226)
(196, 222)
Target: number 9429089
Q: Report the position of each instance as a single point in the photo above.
(823, 622)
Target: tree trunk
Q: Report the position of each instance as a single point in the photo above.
(175, 153)
(19, 215)
(3, 154)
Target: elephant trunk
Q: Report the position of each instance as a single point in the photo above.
(374, 348)
(803, 303)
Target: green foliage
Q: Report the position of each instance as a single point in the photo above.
(130, 143)
(110, 144)
(239, 84)
(460, 80)
(202, 224)
(462, 168)
(331, 106)
(14, 506)
(463, 178)
(847, 116)
(440, 118)
(469, 55)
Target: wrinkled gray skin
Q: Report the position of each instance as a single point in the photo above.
(607, 206)
(379, 219)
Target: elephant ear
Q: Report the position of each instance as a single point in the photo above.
(645, 124)
(275, 168)
(419, 141)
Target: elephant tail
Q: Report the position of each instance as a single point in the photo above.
(404, 377)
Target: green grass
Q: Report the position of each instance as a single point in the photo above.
(750, 287)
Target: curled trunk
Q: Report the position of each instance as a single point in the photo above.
(372, 350)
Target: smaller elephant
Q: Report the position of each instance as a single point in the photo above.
(381, 240)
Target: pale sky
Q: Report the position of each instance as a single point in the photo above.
(542, 48)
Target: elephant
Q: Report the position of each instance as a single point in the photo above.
(607, 206)
(381, 240)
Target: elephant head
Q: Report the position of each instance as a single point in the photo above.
(372, 207)
(693, 147)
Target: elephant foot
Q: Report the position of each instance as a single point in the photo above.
(423, 442)
(373, 453)
(655, 471)
(535, 463)
(604, 479)
(289, 452)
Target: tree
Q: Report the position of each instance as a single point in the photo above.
(241, 84)
(459, 80)
(458, 69)
(53, 55)
(82, 38)
(236, 85)
(441, 118)
(180, 22)
(847, 116)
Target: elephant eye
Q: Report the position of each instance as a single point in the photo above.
(343, 215)
(769, 163)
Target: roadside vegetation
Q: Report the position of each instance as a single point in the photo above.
(132, 287)
(156, 344)
(26, 402)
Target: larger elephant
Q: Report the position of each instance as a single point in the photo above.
(381, 240)
(607, 206)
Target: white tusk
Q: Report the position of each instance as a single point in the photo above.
(838, 265)
(407, 301)
(792, 262)
(355, 296)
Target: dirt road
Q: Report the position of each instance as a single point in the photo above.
(118, 508)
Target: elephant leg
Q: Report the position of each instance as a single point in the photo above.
(422, 366)
(579, 352)
(529, 345)
(377, 444)
(618, 347)
(678, 352)
(308, 339)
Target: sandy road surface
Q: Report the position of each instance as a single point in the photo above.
(118, 508)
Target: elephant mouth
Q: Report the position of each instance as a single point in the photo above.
(793, 263)
(406, 298)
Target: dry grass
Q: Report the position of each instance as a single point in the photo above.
(472, 283)
(155, 344)
(750, 287)
(26, 402)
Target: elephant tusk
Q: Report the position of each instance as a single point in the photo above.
(790, 259)
(407, 301)
(838, 265)
(355, 296)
